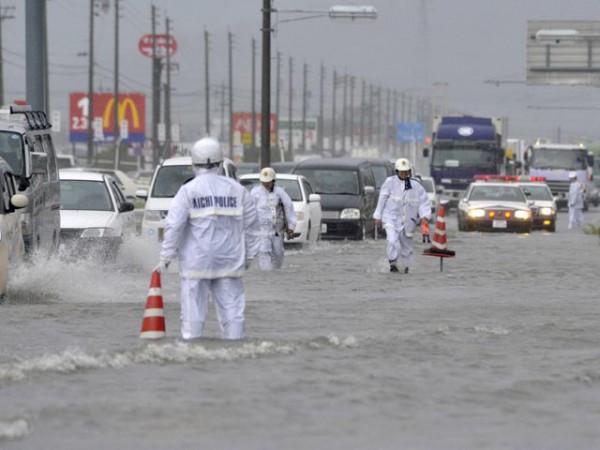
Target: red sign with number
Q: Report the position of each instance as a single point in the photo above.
(163, 42)
(132, 107)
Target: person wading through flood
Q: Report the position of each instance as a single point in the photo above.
(402, 202)
(575, 202)
(212, 227)
(276, 216)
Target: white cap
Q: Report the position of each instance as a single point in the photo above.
(403, 165)
(207, 151)
(266, 175)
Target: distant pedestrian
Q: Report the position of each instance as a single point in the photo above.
(403, 201)
(277, 218)
(212, 227)
(575, 202)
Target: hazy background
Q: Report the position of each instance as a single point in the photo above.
(469, 45)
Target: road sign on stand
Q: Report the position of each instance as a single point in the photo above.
(410, 132)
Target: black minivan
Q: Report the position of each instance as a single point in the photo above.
(348, 197)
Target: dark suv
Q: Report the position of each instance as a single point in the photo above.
(348, 198)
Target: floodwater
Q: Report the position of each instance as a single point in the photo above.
(500, 350)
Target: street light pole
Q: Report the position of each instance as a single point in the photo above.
(265, 111)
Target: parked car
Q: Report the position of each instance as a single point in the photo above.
(433, 192)
(168, 178)
(94, 214)
(307, 204)
(544, 208)
(494, 206)
(348, 197)
(65, 161)
(12, 248)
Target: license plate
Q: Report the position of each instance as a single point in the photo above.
(323, 228)
(499, 224)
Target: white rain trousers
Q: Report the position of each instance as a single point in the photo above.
(275, 211)
(575, 205)
(212, 227)
(399, 210)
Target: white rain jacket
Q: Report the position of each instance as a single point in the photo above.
(402, 208)
(274, 208)
(576, 195)
(212, 226)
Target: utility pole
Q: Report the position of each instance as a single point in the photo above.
(5, 14)
(230, 46)
(304, 104)
(253, 100)
(116, 134)
(90, 132)
(363, 106)
(277, 101)
(206, 84)
(156, 75)
(321, 107)
(265, 107)
(371, 111)
(344, 113)
(290, 101)
(168, 137)
(352, 80)
(332, 146)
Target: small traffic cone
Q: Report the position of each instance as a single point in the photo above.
(439, 247)
(425, 231)
(153, 325)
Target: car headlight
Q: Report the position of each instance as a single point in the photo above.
(476, 213)
(522, 214)
(299, 215)
(99, 232)
(547, 211)
(152, 215)
(350, 213)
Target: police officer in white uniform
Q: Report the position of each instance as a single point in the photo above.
(575, 202)
(402, 202)
(276, 216)
(212, 227)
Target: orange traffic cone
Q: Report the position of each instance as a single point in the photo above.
(438, 247)
(153, 326)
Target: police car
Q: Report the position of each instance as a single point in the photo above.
(492, 205)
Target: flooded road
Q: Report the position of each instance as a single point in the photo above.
(499, 351)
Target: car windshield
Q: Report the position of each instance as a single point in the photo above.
(291, 187)
(541, 192)
(11, 150)
(332, 181)
(428, 185)
(545, 158)
(84, 195)
(169, 179)
(496, 193)
(463, 157)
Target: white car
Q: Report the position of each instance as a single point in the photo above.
(127, 186)
(168, 178)
(94, 214)
(12, 249)
(307, 204)
(432, 192)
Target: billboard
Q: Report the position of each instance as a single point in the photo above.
(310, 136)
(563, 52)
(242, 128)
(132, 108)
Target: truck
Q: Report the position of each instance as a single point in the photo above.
(554, 162)
(462, 147)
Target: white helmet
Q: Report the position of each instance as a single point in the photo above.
(403, 165)
(207, 151)
(572, 175)
(266, 175)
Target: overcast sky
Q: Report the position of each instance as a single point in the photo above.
(414, 43)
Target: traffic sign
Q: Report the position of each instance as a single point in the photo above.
(163, 43)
